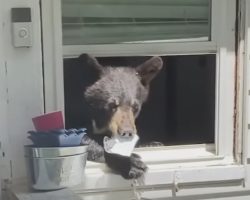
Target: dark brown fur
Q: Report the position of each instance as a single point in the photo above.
(115, 100)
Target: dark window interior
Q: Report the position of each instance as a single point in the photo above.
(181, 105)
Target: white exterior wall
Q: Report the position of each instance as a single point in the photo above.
(21, 86)
(3, 101)
(21, 98)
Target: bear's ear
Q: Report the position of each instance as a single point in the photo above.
(149, 69)
(91, 63)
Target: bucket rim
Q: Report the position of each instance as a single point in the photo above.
(51, 152)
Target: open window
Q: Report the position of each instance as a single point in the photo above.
(181, 105)
(191, 107)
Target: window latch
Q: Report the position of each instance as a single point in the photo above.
(176, 188)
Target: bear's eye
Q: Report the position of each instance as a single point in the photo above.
(113, 105)
(135, 107)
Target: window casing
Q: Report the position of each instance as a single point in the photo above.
(218, 158)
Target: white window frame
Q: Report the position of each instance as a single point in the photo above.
(246, 72)
(221, 161)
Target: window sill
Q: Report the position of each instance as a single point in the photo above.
(106, 181)
(172, 157)
(188, 164)
(191, 165)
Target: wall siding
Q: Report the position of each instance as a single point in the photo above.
(23, 85)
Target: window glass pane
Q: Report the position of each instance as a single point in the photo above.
(126, 21)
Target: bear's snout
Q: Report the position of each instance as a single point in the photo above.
(123, 122)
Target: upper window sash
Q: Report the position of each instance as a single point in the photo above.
(218, 31)
(125, 21)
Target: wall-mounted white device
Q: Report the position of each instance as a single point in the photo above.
(21, 27)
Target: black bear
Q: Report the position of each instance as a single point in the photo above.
(113, 97)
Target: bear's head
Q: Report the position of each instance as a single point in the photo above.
(116, 97)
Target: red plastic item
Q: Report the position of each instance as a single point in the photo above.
(49, 121)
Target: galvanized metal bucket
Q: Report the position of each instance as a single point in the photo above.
(55, 167)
